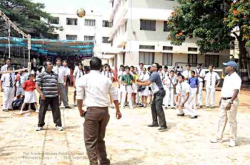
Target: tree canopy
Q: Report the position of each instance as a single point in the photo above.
(214, 23)
(28, 16)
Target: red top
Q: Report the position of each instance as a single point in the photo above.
(29, 85)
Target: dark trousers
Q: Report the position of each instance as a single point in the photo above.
(96, 120)
(157, 110)
(54, 104)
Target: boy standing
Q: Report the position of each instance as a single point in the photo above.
(127, 81)
(194, 85)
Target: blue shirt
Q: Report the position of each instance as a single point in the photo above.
(193, 82)
(155, 77)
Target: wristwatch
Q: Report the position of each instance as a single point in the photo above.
(231, 102)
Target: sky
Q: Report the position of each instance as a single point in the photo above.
(102, 5)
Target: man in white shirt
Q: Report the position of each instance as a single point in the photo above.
(201, 75)
(229, 104)
(7, 63)
(62, 81)
(169, 85)
(7, 84)
(187, 73)
(120, 74)
(67, 70)
(184, 99)
(210, 84)
(95, 89)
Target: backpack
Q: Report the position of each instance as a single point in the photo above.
(17, 104)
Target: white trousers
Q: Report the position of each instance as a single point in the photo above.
(8, 97)
(127, 90)
(193, 95)
(188, 107)
(229, 116)
(210, 92)
(200, 94)
(169, 97)
(119, 94)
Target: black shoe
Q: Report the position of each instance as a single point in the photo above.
(163, 128)
(194, 117)
(200, 106)
(153, 125)
(207, 107)
(5, 110)
(181, 114)
(68, 107)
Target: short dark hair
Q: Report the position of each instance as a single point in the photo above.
(95, 63)
(121, 66)
(165, 67)
(31, 75)
(180, 75)
(58, 59)
(132, 67)
(65, 61)
(211, 65)
(141, 64)
(127, 68)
(193, 72)
(199, 64)
(158, 66)
(149, 68)
(7, 59)
(172, 71)
(188, 65)
(9, 67)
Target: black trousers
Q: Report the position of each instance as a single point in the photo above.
(157, 110)
(54, 104)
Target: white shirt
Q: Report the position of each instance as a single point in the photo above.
(144, 77)
(183, 88)
(75, 70)
(168, 80)
(201, 72)
(230, 83)
(61, 72)
(4, 68)
(78, 75)
(6, 79)
(95, 89)
(67, 70)
(211, 79)
(187, 74)
(108, 74)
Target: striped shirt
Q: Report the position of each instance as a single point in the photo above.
(48, 83)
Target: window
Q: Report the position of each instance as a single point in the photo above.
(72, 21)
(54, 37)
(89, 38)
(106, 24)
(147, 58)
(212, 59)
(166, 28)
(148, 25)
(192, 59)
(191, 49)
(89, 22)
(71, 37)
(152, 47)
(106, 40)
(168, 48)
(167, 59)
(54, 20)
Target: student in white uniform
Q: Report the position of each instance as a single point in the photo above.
(169, 85)
(210, 84)
(108, 73)
(7, 87)
(7, 63)
(77, 75)
(229, 104)
(187, 72)
(200, 73)
(144, 91)
(184, 99)
(140, 71)
(67, 70)
(127, 81)
(194, 85)
(120, 74)
(165, 72)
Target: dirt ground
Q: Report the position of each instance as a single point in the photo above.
(129, 141)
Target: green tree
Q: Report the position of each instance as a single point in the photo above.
(214, 23)
(28, 16)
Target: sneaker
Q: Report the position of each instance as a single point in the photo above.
(68, 107)
(215, 140)
(131, 107)
(200, 106)
(59, 128)
(181, 115)
(74, 105)
(21, 112)
(5, 110)
(37, 110)
(194, 117)
(232, 143)
(39, 128)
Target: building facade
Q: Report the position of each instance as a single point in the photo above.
(140, 33)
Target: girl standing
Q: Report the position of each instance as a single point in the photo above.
(29, 87)
(77, 75)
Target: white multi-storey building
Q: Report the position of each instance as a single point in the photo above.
(93, 27)
(140, 32)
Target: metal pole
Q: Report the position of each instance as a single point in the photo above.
(9, 39)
